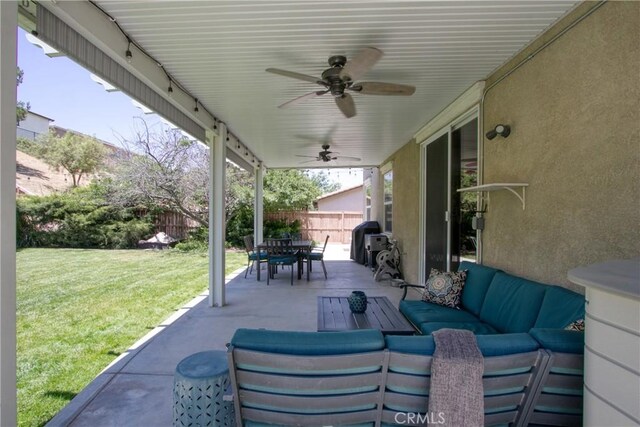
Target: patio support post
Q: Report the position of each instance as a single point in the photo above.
(258, 206)
(377, 204)
(217, 172)
(8, 63)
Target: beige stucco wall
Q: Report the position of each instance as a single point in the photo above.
(574, 109)
(575, 116)
(406, 212)
(348, 201)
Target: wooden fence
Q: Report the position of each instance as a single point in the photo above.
(174, 224)
(317, 225)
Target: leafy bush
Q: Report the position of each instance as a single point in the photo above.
(79, 218)
(29, 146)
(239, 225)
(197, 241)
(277, 228)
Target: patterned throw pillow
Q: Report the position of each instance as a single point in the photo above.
(444, 288)
(578, 325)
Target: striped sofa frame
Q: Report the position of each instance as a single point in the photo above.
(372, 388)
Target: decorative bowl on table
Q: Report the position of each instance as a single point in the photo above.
(357, 302)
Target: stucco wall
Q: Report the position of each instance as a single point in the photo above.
(348, 201)
(575, 116)
(406, 212)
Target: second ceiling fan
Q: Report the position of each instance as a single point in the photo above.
(326, 156)
(341, 78)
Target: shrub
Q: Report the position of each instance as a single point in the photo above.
(239, 225)
(28, 146)
(79, 218)
(277, 228)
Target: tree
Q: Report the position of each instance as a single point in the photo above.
(78, 154)
(321, 179)
(239, 192)
(289, 189)
(164, 169)
(23, 107)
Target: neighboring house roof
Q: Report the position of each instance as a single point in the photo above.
(35, 177)
(40, 115)
(342, 190)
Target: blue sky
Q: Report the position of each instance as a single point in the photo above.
(63, 91)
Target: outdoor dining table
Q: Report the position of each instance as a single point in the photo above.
(304, 250)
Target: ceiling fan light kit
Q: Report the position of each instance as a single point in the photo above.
(341, 77)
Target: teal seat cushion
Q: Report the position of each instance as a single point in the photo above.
(512, 303)
(477, 328)
(254, 256)
(308, 343)
(283, 259)
(316, 256)
(479, 278)
(489, 345)
(419, 312)
(559, 308)
(559, 340)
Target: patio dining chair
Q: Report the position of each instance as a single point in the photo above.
(252, 254)
(317, 254)
(280, 252)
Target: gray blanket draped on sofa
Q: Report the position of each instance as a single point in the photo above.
(456, 397)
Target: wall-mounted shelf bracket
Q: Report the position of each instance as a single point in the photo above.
(511, 187)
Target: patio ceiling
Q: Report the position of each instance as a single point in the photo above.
(219, 52)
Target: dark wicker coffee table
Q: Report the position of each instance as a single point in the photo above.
(334, 315)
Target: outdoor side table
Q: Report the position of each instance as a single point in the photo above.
(199, 386)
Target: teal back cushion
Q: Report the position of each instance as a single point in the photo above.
(479, 278)
(308, 343)
(489, 345)
(512, 303)
(560, 307)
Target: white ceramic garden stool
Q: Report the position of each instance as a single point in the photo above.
(199, 387)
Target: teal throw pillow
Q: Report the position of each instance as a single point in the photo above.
(444, 288)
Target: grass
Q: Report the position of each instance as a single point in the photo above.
(77, 310)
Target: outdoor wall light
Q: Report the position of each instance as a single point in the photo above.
(128, 53)
(502, 130)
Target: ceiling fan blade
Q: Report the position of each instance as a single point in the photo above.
(302, 155)
(310, 161)
(346, 105)
(302, 98)
(357, 159)
(380, 88)
(360, 64)
(295, 75)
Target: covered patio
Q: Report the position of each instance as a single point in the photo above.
(137, 388)
(555, 74)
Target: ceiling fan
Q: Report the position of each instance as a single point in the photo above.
(326, 156)
(342, 76)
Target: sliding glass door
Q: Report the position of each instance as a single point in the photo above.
(451, 163)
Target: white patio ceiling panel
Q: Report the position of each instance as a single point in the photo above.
(219, 50)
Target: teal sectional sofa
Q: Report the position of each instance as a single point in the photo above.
(533, 367)
(497, 303)
(494, 302)
(361, 378)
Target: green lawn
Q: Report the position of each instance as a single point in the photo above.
(77, 310)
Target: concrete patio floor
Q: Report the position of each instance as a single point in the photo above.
(136, 390)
